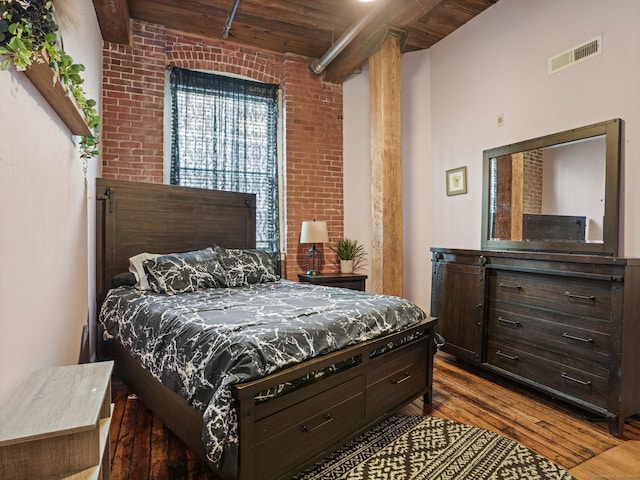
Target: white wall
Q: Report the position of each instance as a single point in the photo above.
(44, 293)
(356, 165)
(573, 182)
(416, 173)
(497, 64)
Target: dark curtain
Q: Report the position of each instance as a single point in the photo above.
(223, 137)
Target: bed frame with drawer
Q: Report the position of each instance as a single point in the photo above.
(279, 437)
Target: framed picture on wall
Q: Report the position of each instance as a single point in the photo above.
(457, 181)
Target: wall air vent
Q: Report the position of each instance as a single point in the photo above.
(575, 55)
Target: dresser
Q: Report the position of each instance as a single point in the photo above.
(566, 324)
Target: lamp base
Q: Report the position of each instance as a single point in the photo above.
(314, 270)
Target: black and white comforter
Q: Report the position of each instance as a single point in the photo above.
(199, 344)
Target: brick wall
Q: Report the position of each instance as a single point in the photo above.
(313, 112)
(532, 191)
(133, 109)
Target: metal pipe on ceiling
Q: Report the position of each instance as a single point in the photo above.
(227, 27)
(317, 66)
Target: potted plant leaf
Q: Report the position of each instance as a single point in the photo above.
(351, 254)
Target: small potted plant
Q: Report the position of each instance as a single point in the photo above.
(351, 254)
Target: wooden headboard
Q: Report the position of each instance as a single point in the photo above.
(134, 217)
(553, 227)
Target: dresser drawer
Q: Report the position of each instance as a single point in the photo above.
(351, 281)
(578, 296)
(574, 336)
(407, 375)
(351, 285)
(309, 426)
(590, 385)
(559, 357)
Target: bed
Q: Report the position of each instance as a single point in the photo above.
(285, 410)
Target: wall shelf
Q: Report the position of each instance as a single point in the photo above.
(41, 76)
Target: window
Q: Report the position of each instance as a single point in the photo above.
(224, 137)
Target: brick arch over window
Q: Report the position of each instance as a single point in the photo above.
(133, 109)
(197, 54)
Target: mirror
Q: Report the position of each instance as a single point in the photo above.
(558, 193)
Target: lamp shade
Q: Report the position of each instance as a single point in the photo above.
(314, 232)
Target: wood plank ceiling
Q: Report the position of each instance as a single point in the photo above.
(310, 28)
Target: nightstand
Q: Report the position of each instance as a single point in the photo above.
(353, 281)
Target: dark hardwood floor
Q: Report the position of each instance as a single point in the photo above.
(143, 448)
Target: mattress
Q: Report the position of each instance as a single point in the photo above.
(200, 344)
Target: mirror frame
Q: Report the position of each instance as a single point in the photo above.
(612, 130)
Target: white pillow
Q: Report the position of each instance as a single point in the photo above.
(136, 267)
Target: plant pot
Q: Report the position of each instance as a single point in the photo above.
(346, 266)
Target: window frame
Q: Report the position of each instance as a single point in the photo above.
(280, 149)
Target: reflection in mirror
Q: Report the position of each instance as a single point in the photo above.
(550, 193)
(554, 193)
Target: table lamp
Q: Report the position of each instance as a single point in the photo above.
(313, 232)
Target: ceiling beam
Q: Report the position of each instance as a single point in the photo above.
(301, 27)
(254, 24)
(113, 18)
(400, 14)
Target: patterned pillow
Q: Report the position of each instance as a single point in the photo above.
(244, 267)
(185, 272)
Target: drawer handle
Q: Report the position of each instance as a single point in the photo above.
(510, 286)
(586, 383)
(510, 322)
(326, 419)
(505, 355)
(571, 296)
(580, 339)
(403, 379)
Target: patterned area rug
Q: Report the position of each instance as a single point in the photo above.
(426, 448)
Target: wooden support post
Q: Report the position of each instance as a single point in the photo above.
(517, 195)
(386, 167)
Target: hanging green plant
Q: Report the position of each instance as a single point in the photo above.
(27, 36)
